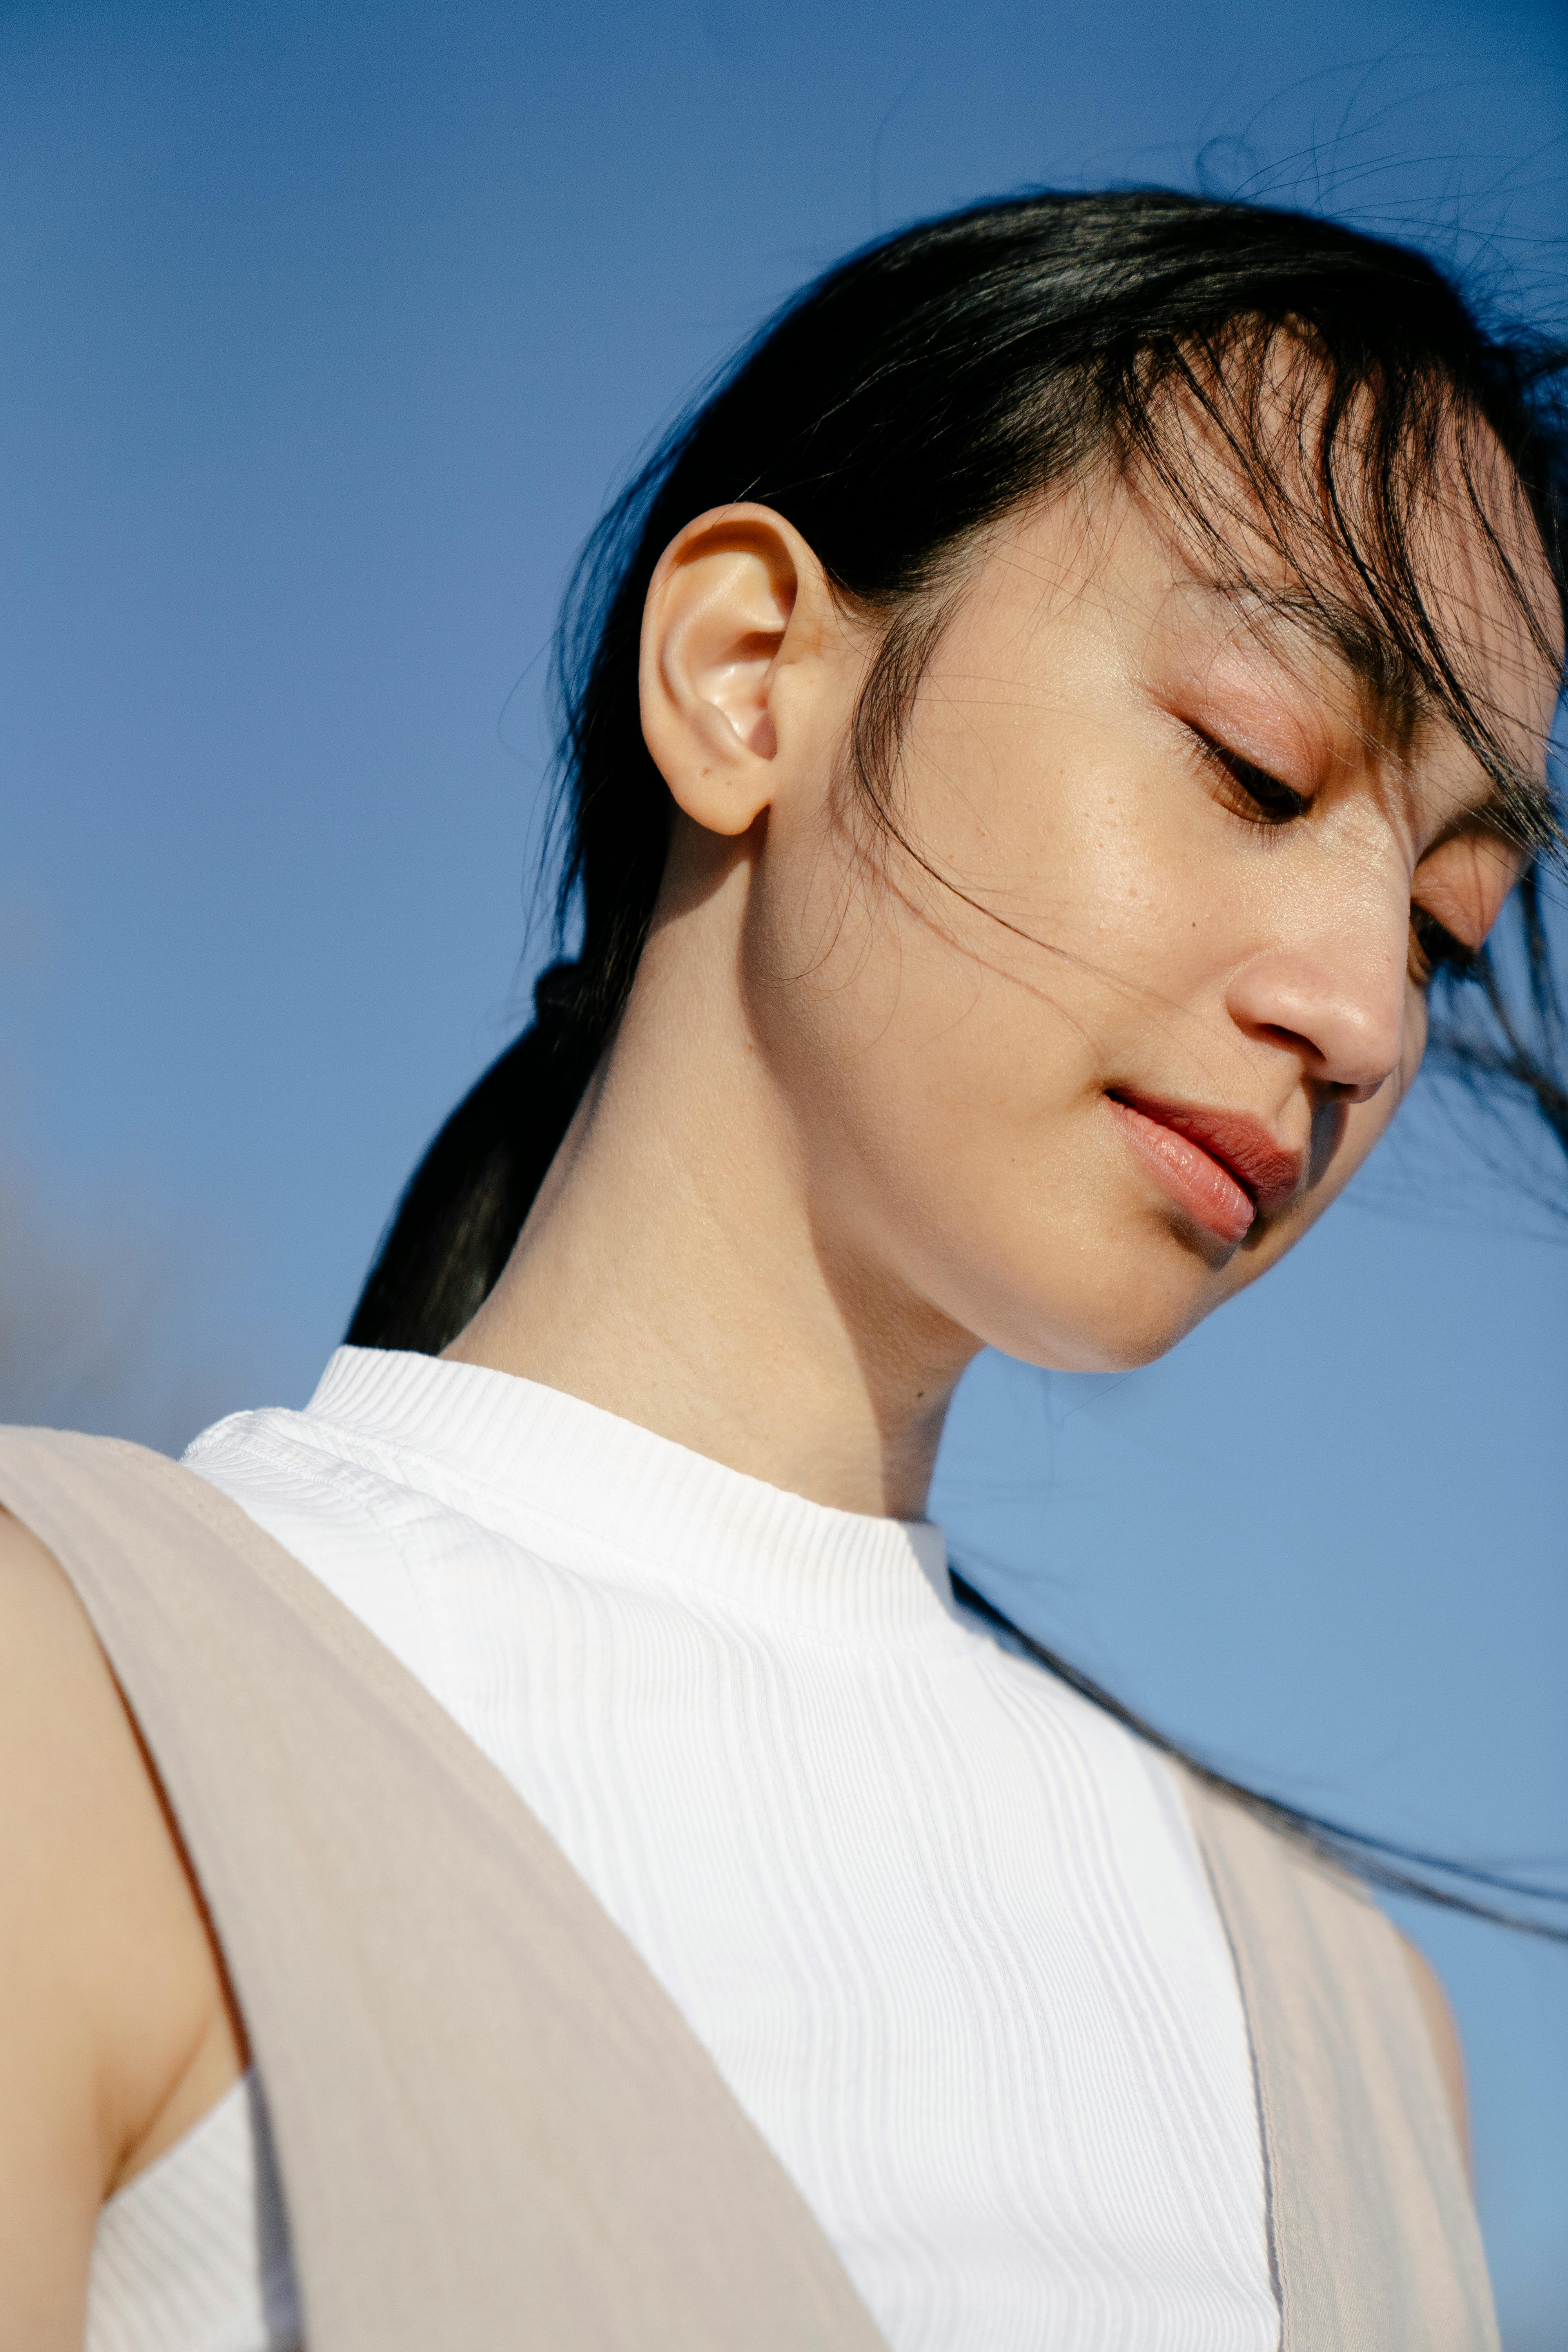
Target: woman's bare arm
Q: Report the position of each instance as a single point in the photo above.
(115, 2030)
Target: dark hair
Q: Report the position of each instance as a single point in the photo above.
(911, 397)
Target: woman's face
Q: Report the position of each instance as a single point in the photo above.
(1142, 989)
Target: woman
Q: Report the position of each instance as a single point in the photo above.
(1035, 735)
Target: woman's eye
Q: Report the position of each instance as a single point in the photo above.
(1255, 794)
(1434, 949)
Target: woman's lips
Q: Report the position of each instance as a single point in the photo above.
(1220, 1166)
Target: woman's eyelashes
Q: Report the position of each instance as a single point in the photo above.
(1250, 790)
(1263, 800)
(1434, 949)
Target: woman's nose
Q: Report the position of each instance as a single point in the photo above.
(1342, 1014)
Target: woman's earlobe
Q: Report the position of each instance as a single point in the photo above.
(719, 610)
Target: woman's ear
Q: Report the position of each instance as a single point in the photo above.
(736, 602)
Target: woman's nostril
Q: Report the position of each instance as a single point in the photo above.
(1346, 1027)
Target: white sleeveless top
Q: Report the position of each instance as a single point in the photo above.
(941, 1924)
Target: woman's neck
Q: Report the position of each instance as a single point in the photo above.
(677, 1270)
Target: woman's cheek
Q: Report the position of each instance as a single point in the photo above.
(1417, 1024)
(1464, 884)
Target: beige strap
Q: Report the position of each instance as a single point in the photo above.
(1375, 2236)
(493, 2126)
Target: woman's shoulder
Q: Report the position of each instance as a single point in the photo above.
(1305, 1912)
(1433, 2002)
(115, 2029)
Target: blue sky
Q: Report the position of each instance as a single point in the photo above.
(328, 328)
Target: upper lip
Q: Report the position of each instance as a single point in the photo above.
(1268, 1171)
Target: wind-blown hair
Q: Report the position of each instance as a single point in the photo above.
(893, 412)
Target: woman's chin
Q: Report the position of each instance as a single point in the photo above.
(1124, 1292)
(1112, 1335)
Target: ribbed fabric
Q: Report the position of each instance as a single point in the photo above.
(940, 1925)
(191, 2256)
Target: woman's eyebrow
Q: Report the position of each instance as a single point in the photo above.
(1398, 700)
(1391, 686)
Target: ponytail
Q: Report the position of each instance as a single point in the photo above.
(454, 1228)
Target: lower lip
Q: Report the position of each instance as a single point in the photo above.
(1197, 1183)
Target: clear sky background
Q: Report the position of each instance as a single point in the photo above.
(326, 328)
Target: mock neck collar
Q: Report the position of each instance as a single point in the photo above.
(521, 1451)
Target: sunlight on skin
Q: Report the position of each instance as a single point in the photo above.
(873, 1106)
